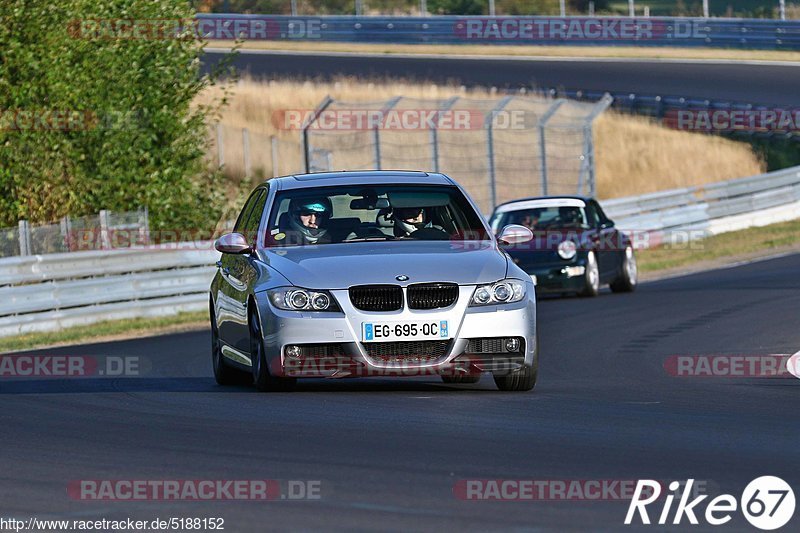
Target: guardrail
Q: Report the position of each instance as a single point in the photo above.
(590, 31)
(54, 291)
(710, 209)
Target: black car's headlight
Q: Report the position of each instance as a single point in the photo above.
(297, 299)
(503, 292)
(567, 249)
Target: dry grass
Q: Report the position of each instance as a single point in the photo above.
(634, 155)
(530, 51)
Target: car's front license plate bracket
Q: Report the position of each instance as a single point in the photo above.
(418, 330)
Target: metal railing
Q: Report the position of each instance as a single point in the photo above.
(524, 30)
(71, 234)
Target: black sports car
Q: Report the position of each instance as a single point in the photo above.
(575, 248)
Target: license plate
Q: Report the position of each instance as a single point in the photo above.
(404, 331)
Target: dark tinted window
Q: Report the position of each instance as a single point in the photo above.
(250, 226)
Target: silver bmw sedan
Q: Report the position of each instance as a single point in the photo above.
(378, 273)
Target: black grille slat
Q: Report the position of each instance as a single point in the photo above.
(321, 350)
(407, 351)
(376, 297)
(490, 345)
(432, 295)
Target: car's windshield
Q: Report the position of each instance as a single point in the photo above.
(538, 218)
(363, 213)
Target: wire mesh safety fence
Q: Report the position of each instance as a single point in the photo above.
(103, 231)
(498, 148)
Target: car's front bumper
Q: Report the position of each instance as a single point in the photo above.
(562, 276)
(331, 343)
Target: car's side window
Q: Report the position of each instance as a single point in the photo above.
(246, 210)
(601, 216)
(250, 229)
(592, 217)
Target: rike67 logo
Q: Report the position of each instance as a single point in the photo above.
(767, 503)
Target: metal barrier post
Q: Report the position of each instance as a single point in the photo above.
(274, 145)
(376, 130)
(435, 134)
(543, 143)
(246, 152)
(104, 239)
(488, 123)
(605, 101)
(24, 238)
(317, 112)
(220, 147)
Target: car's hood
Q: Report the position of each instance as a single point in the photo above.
(339, 266)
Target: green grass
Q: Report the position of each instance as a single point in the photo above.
(726, 245)
(707, 253)
(111, 328)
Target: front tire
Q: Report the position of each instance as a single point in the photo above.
(262, 379)
(223, 374)
(523, 379)
(591, 278)
(629, 277)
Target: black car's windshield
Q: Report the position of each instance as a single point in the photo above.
(361, 213)
(540, 218)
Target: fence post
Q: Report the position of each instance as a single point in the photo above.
(146, 225)
(489, 125)
(435, 133)
(376, 130)
(104, 240)
(246, 152)
(25, 238)
(605, 101)
(220, 147)
(543, 143)
(309, 121)
(274, 145)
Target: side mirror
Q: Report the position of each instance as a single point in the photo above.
(607, 224)
(515, 234)
(232, 243)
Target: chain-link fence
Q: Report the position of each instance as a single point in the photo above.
(104, 231)
(499, 149)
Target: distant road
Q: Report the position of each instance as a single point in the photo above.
(756, 82)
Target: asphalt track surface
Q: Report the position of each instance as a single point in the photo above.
(388, 452)
(761, 83)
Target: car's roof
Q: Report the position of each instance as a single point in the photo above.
(360, 177)
(543, 201)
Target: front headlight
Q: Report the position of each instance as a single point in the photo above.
(297, 299)
(503, 292)
(567, 249)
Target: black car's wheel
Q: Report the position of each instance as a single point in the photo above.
(466, 378)
(523, 379)
(223, 374)
(591, 277)
(629, 277)
(262, 379)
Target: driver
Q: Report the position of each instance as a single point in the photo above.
(407, 220)
(308, 218)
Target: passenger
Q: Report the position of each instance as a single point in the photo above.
(308, 219)
(409, 220)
